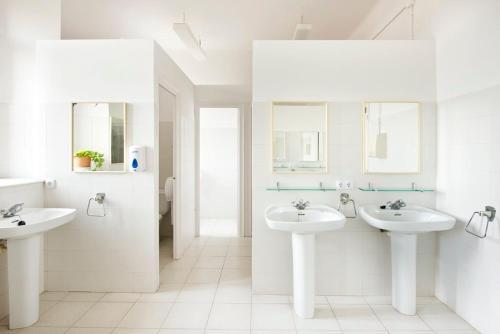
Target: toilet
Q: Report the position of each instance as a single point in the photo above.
(166, 197)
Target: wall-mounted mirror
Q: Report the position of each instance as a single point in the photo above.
(299, 132)
(391, 137)
(99, 137)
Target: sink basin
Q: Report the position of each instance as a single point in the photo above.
(23, 255)
(304, 225)
(410, 219)
(315, 219)
(404, 225)
(37, 221)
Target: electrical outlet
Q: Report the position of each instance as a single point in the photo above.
(339, 184)
(348, 185)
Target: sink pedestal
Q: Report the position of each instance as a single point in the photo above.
(404, 272)
(303, 225)
(303, 274)
(23, 256)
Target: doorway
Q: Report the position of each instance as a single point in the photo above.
(219, 172)
(166, 175)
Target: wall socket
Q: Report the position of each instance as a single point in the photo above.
(343, 184)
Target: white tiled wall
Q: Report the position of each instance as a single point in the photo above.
(117, 252)
(356, 259)
(19, 121)
(469, 178)
(32, 196)
(114, 253)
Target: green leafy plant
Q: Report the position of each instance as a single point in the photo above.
(96, 157)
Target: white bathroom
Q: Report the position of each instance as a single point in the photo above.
(262, 167)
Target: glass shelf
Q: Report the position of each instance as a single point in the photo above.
(299, 188)
(415, 190)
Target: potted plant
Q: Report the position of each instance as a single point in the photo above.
(86, 159)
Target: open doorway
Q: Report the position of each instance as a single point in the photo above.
(166, 179)
(219, 171)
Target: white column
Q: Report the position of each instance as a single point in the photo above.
(23, 256)
(404, 272)
(303, 274)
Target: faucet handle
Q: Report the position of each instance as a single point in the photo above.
(16, 207)
(12, 211)
(300, 204)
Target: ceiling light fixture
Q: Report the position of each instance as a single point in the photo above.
(187, 37)
(302, 30)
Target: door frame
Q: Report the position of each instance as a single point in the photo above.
(241, 162)
(176, 154)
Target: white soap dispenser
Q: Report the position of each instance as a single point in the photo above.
(137, 158)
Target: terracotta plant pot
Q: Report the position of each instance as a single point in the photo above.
(82, 162)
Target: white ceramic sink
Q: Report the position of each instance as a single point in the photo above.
(23, 254)
(38, 220)
(410, 219)
(304, 224)
(315, 219)
(404, 225)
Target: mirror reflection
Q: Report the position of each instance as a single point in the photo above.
(299, 137)
(99, 131)
(392, 137)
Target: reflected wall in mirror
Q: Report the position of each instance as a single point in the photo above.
(99, 132)
(299, 132)
(391, 137)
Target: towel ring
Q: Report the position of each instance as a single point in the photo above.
(489, 212)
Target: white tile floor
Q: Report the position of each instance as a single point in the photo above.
(209, 292)
(219, 227)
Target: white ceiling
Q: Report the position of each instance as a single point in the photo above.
(226, 27)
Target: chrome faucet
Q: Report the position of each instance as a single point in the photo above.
(396, 205)
(12, 211)
(300, 205)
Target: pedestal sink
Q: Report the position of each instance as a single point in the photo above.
(23, 256)
(404, 225)
(304, 224)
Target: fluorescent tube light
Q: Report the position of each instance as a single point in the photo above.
(192, 44)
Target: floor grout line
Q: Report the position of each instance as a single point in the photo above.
(376, 316)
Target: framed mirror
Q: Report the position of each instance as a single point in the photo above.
(99, 132)
(391, 133)
(299, 134)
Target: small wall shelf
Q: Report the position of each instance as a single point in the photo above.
(320, 187)
(417, 190)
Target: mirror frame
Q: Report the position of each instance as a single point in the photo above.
(72, 125)
(300, 103)
(419, 141)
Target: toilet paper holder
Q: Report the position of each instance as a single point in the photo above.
(490, 213)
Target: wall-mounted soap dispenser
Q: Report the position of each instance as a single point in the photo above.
(137, 158)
